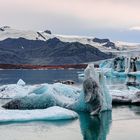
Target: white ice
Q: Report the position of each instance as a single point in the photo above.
(49, 114)
(132, 94)
(21, 82)
(15, 90)
(98, 76)
(55, 94)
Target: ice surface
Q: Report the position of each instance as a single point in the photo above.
(51, 113)
(131, 95)
(64, 95)
(47, 95)
(15, 90)
(121, 66)
(98, 76)
(21, 82)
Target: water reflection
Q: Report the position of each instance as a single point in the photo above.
(132, 81)
(135, 109)
(95, 128)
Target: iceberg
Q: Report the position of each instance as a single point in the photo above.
(21, 82)
(103, 96)
(67, 96)
(121, 66)
(47, 95)
(15, 90)
(49, 114)
(126, 96)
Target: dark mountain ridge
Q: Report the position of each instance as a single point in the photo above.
(50, 52)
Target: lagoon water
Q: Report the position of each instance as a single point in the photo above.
(123, 123)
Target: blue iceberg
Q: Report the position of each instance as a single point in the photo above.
(48, 95)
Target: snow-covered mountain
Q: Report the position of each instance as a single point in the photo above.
(127, 46)
(8, 32)
(43, 47)
(102, 44)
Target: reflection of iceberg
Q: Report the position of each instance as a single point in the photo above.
(52, 113)
(95, 128)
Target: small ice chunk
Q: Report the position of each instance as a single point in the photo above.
(21, 82)
(49, 114)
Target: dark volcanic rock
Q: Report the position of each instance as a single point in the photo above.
(107, 42)
(110, 44)
(47, 31)
(100, 40)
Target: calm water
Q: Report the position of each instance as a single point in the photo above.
(123, 123)
(37, 76)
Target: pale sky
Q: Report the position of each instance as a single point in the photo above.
(114, 19)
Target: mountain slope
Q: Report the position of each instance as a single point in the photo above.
(8, 32)
(52, 51)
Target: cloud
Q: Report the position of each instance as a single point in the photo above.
(93, 13)
(72, 16)
(134, 28)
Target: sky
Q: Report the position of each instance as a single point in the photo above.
(114, 19)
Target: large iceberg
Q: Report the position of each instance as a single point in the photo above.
(47, 95)
(49, 114)
(103, 96)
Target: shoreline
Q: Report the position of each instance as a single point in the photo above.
(42, 67)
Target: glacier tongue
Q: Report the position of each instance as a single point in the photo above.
(51, 113)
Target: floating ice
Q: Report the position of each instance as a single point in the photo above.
(70, 97)
(21, 82)
(125, 96)
(121, 66)
(47, 95)
(104, 95)
(15, 90)
(51, 113)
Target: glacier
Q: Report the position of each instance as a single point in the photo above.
(49, 114)
(8, 32)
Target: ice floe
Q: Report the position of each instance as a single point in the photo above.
(49, 114)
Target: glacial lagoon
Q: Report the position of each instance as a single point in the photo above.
(122, 123)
